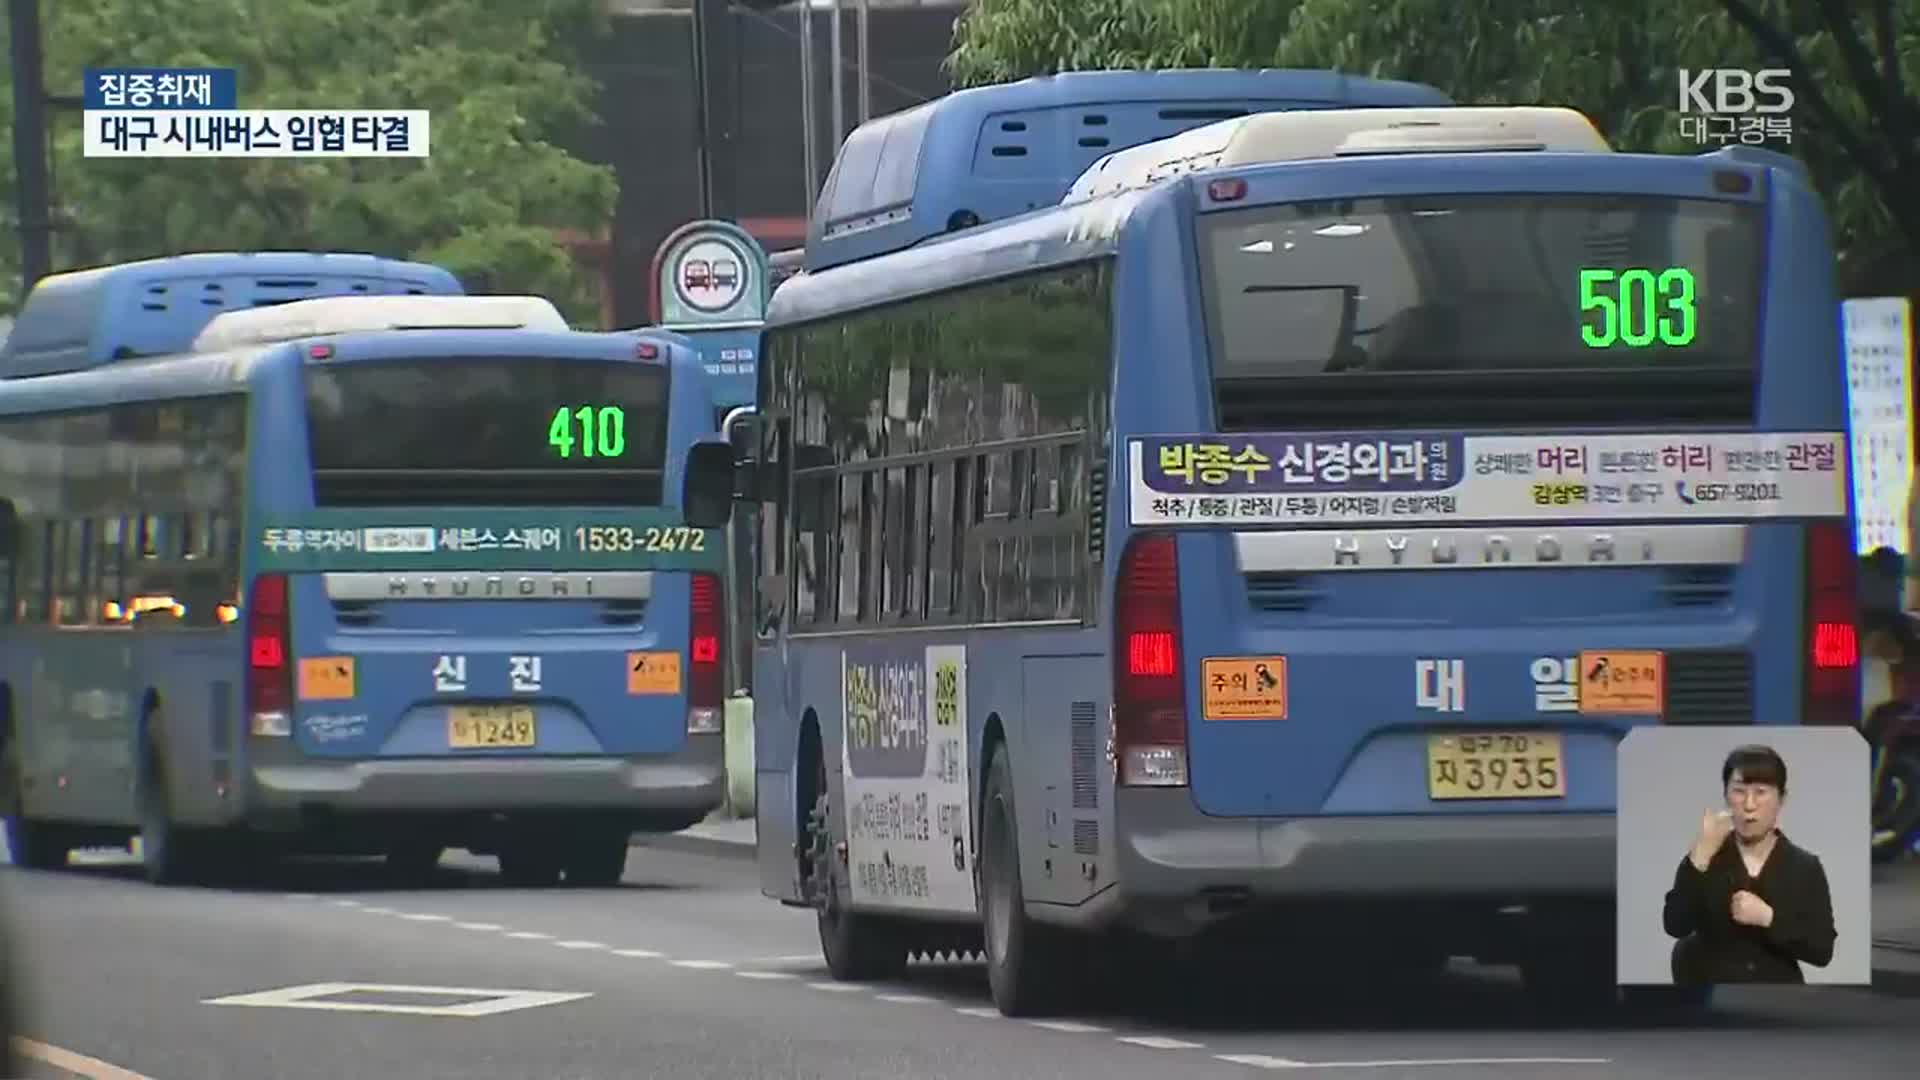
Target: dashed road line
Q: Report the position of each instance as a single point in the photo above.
(986, 1012)
(1071, 1027)
(1160, 1042)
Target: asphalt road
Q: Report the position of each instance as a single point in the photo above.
(687, 973)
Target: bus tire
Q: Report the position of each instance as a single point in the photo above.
(168, 853)
(597, 858)
(529, 864)
(414, 860)
(857, 947)
(1026, 962)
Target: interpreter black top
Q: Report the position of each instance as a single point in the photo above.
(1716, 949)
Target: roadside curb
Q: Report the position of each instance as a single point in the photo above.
(698, 844)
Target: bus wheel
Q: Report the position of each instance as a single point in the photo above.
(529, 863)
(597, 858)
(857, 947)
(166, 850)
(1025, 965)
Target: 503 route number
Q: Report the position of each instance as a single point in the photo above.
(626, 538)
(1635, 307)
(1496, 765)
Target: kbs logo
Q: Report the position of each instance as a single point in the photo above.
(1728, 104)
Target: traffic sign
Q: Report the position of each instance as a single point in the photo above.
(710, 273)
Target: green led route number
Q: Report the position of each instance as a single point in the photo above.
(602, 431)
(1635, 307)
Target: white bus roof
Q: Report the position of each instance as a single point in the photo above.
(1274, 137)
(351, 314)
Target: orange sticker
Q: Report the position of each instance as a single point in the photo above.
(653, 673)
(326, 678)
(1615, 683)
(1245, 688)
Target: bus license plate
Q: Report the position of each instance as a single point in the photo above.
(483, 727)
(1496, 765)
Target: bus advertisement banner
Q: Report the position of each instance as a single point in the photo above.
(480, 538)
(904, 763)
(1336, 478)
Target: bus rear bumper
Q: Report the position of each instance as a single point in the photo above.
(653, 792)
(1180, 870)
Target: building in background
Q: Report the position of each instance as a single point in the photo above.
(651, 111)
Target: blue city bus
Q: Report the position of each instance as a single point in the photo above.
(154, 307)
(370, 592)
(1127, 564)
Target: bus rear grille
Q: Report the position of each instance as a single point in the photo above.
(495, 487)
(1483, 400)
(1709, 688)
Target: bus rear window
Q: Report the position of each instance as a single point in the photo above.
(487, 431)
(1482, 283)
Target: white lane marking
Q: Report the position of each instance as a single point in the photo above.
(580, 944)
(301, 896)
(765, 974)
(1446, 1061)
(908, 999)
(489, 1003)
(1160, 1042)
(984, 1012)
(834, 988)
(378, 910)
(796, 958)
(639, 954)
(1069, 1026)
(703, 965)
(1262, 1061)
(414, 916)
(89, 1068)
(489, 926)
(345, 903)
(529, 935)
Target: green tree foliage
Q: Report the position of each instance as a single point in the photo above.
(1856, 65)
(502, 78)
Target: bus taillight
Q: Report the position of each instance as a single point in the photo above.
(1832, 641)
(705, 677)
(269, 658)
(1149, 694)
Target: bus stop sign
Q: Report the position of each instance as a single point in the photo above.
(709, 274)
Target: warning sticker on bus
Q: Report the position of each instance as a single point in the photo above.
(1295, 480)
(1244, 687)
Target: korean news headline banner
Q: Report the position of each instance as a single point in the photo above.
(1338, 478)
(195, 113)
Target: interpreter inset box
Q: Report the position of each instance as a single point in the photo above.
(1742, 856)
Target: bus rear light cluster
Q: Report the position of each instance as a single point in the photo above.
(269, 696)
(706, 678)
(1149, 692)
(1832, 670)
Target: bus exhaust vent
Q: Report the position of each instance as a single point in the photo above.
(1698, 586)
(1086, 836)
(1086, 761)
(1709, 688)
(1268, 591)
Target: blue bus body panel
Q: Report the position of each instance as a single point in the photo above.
(1354, 742)
(999, 151)
(584, 707)
(76, 320)
(731, 358)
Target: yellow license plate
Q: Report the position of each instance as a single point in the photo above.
(484, 727)
(1496, 765)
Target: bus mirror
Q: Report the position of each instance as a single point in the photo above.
(741, 429)
(9, 529)
(706, 495)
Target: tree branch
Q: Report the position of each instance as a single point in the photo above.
(1782, 48)
(1838, 19)
(1902, 107)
